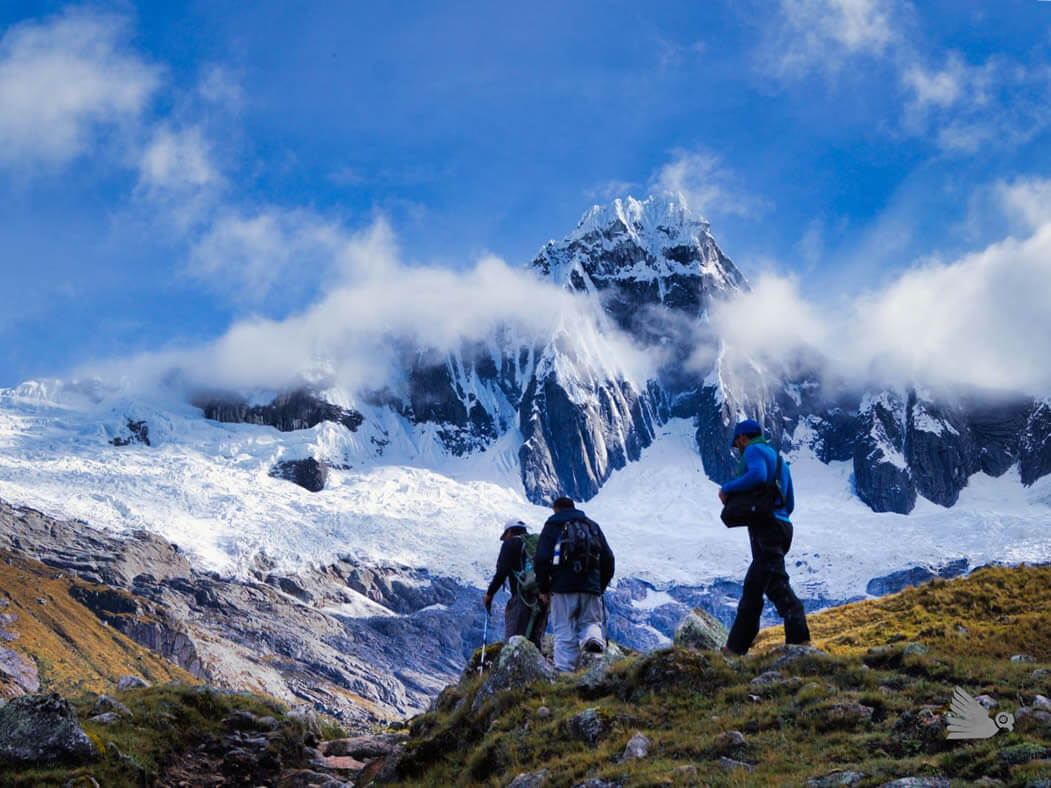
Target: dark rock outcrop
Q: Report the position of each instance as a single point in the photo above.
(138, 432)
(881, 477)
(42, 730)
(309, 473)
(296, 410)
(1035, 444)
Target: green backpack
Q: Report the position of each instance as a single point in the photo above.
(526, 576)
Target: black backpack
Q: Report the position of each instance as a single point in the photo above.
(755, 507)
(580, 548)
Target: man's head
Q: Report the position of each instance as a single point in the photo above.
(512, 528)
(563, 504)
(744, 432)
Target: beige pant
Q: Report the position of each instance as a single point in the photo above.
(575, 619)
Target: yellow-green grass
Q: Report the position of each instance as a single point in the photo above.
(801, 728)
(73, 649)
(997, 611)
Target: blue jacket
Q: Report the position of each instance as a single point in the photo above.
(760, 464)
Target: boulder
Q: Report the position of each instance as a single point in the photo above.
(311, 722)
(131, 682)
(832, 779)
(700, 631)
(42, 730)
(917, 782)
(518, 666)
(106, 718)
(588, 726)
(729, 741)
(364, 747)
(791, 654)
(594, 679)
(106, 704)
(1023, 753)
(730, 763)
(638, 747)
(530, 780)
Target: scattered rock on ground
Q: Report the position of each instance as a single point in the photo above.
(917, 782)
(42, 730)
(1040, 702)
(519, 665)
(1022, 658)
(594, 679)
(530, 780)
(832, 779)
(638, 747)
(987, 701)
(730, 763)
(915, 649)
(364, 747)
(790, 654)
(729, 741)
(700, 631)
(588, 726)
(311, 723)
(107, 704)
(106, 718)
(1023, 753)
(131, 682)
(768, 677)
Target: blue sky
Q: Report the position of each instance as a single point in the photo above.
(170, 170)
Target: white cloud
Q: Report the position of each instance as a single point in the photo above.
(820, 34)
(375, 304)
(708, 187)
(981, 319)
(177, 160)
(273, 252)
(63, 80)
(1027, 200)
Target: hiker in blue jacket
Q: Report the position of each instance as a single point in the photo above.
(770, 541)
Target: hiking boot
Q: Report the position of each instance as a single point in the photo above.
(729, 652)
(594, 646)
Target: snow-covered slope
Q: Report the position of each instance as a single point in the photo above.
(206, 486)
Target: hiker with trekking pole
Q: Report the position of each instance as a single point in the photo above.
(525, 614)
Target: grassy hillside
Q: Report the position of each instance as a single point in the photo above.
(74, 651)
(997, 611)
(878, 713)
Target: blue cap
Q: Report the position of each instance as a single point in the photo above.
(746, 427)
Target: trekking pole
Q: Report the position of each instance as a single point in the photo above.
(485, 642)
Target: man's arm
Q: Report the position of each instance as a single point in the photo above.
(503, 566)
(543, 561)
(754, 475)
(608, 563)
(788, 491)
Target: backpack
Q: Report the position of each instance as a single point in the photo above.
(580, 547)
(755, 507)
(526, 576)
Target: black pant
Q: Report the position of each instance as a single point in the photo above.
(767, 575)
(516, 620)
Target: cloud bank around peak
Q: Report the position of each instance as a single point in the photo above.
(980, 320)
(376, 314)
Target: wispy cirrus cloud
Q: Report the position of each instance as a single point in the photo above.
(65, 80)
(709, 186)
(959, 105)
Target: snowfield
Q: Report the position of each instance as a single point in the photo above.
(205, 486)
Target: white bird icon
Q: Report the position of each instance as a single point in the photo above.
(968, 719)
